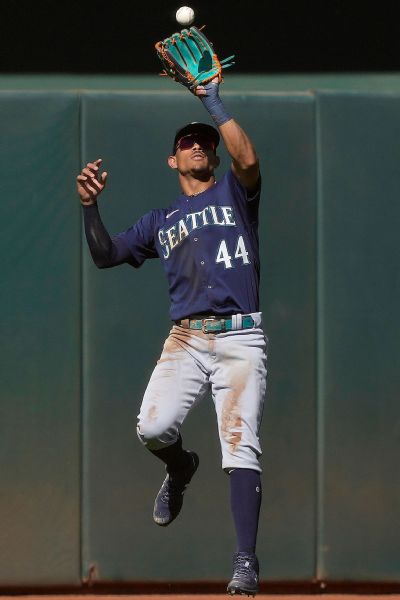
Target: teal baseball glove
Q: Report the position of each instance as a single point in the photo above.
(189, 58)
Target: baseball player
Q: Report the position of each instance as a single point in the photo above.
(207, 242)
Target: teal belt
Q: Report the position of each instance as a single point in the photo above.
(216, 324)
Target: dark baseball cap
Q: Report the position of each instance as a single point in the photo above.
(195, 127)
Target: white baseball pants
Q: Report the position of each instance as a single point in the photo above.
(233, 366)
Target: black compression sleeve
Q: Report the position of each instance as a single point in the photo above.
(102, 248)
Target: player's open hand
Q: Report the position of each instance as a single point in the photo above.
(90, 183)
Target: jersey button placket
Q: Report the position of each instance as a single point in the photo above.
(202, 264)
(202, 261)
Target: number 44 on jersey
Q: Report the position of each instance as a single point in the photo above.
(223, 255)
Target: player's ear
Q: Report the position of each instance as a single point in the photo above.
(172, 161)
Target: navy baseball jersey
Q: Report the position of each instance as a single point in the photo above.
(208, 246)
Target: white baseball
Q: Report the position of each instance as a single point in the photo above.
(185, 15)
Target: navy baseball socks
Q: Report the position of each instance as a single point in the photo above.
(181, 465)
(246, 493)
(245, 505)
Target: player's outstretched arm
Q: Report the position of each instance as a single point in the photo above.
(105, 251)
(245, 163)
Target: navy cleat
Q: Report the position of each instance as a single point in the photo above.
(168, 503)
(245, 575)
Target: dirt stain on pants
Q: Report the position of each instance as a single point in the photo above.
(231, 419)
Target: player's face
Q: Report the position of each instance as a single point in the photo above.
(195, 154)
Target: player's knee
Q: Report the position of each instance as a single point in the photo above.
(243, 458)
(146, 434)
(152, 434)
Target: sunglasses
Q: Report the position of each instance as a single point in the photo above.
(188, 141)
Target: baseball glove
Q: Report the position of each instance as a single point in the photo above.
(189, 58)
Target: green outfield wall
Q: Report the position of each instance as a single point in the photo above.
(79, 344)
